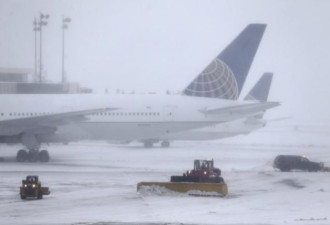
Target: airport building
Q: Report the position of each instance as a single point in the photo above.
(19, 81)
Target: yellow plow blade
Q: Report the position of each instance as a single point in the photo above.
(199, 189)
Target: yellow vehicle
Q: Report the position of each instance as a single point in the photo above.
(31, 188)
(203, 180)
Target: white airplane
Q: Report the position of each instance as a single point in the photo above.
(35, 119)
(224, 130)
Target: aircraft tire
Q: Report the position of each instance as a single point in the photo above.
(21, 156)
(165, 144)
(43, 156)
(148, 144)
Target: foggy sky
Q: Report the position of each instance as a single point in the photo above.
(158, 45)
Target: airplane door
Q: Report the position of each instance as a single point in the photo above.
(169, 112)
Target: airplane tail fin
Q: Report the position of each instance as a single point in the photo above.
(225, 75)
(261, 89)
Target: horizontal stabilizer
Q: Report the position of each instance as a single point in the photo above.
(244, 109)
(261, 90)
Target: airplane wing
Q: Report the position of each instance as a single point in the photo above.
(244, 109)
(50, 121)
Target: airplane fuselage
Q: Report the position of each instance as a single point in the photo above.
(135, 117)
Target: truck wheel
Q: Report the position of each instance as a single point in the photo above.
(39, 195)
(23, 197)
(285, 169)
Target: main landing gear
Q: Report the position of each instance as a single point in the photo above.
(165, 144)
(150, 144)
(32, 155)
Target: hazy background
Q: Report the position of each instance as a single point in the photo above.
(162, 45)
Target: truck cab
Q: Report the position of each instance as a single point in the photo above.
(31, 188)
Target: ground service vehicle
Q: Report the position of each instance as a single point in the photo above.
(203, 172)
(290, 162)
(203, 180)
(31, 188)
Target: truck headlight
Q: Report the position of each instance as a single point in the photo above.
(25, 185)
(205, 172)
(33, 185)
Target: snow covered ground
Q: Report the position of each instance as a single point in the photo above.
(95, 182)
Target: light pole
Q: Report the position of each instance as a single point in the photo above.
(36, 28)
(65, 22)
(42, 22)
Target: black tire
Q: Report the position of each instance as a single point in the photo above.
(165, 144)
(21, 156)
(148, 144)
(23, 197)
(285, 169)
(312, 170)
(43, 156)
(39, 195)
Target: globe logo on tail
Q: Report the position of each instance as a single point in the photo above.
(216, 81)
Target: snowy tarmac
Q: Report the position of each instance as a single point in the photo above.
(95, 183)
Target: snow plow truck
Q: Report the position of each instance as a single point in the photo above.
(203, 180)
